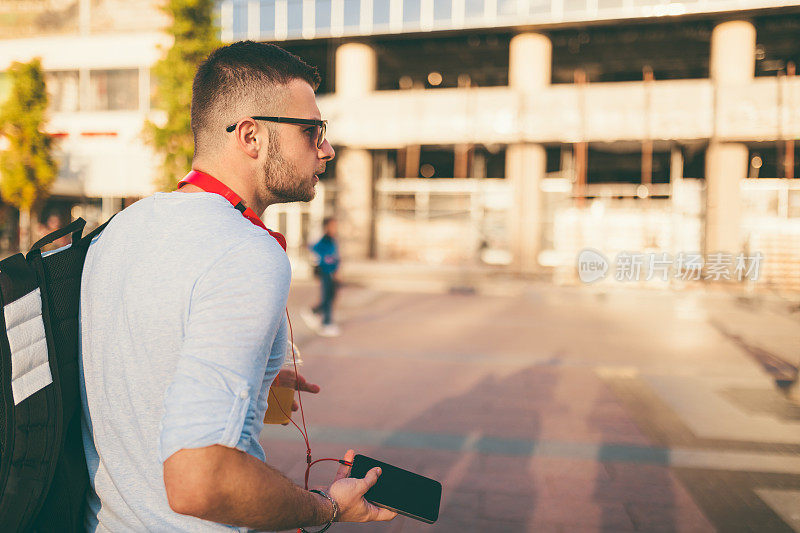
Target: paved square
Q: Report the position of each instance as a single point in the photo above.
(548, 410)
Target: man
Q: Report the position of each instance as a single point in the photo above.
(326, 252)
(183, 323)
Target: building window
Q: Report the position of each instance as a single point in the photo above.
(239, 20)
(411, 11)
(538, 7)
(442, 10)
(294, 18)
(114, 90)
(266, 21)
(352, 13)
(574, 6)
(506, 8)
(322, 16)
(380, 12)
(610, 4)
(473, 9)
(63, 89)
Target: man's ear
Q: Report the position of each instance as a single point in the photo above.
(247, 137)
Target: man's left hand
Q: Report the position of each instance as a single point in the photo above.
(288, 378)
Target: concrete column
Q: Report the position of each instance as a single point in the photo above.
(478, 166)
(526, 163)
(525, 167)
(733, 53)
(461, 160)
(726, 167)
(412, 161)
(356, 70)
(677, 198)
(356, 77)
(676, 179)
(676, 165)
(530, 61)
(354, 202)
(733, 48)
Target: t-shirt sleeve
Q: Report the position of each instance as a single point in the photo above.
(235, 310)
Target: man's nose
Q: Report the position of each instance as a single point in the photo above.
(326, 151)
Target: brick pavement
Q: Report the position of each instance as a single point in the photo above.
(510, 403)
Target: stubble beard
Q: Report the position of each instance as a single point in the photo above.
(282, 181)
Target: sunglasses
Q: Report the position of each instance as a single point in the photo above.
(321, 125)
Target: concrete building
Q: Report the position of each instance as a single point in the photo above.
(97, 58)
(474, 134)
(516, 133)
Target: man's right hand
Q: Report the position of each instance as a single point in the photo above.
(349, 494)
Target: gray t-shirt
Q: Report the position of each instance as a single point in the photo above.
(183, 328)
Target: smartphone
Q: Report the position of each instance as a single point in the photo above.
(399, 490)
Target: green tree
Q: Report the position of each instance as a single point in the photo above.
(195, 36)
(27, 166)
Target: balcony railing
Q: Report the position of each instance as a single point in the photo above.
(767, 108)
(443, 220)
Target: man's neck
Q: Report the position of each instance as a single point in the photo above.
(240, 187)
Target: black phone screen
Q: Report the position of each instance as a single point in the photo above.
(407, 493)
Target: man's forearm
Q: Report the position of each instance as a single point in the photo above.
(238, 489)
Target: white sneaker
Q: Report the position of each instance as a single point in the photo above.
(313, 321)
(330, 330)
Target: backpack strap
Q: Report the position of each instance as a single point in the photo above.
(95, 232)
(31, 415)
(75, 228)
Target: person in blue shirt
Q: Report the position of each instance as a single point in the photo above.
(326, 252)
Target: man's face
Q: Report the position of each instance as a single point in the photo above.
(292, 161)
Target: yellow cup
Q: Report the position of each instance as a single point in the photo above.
(285, 397)
(282, 395)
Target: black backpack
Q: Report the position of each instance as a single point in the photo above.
(43, 475)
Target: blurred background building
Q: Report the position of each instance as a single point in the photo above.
(481, 135)
(97, 58)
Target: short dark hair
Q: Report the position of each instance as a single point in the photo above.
(237, 71)
(327, 220)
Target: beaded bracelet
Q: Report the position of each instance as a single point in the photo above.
(333, 518)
